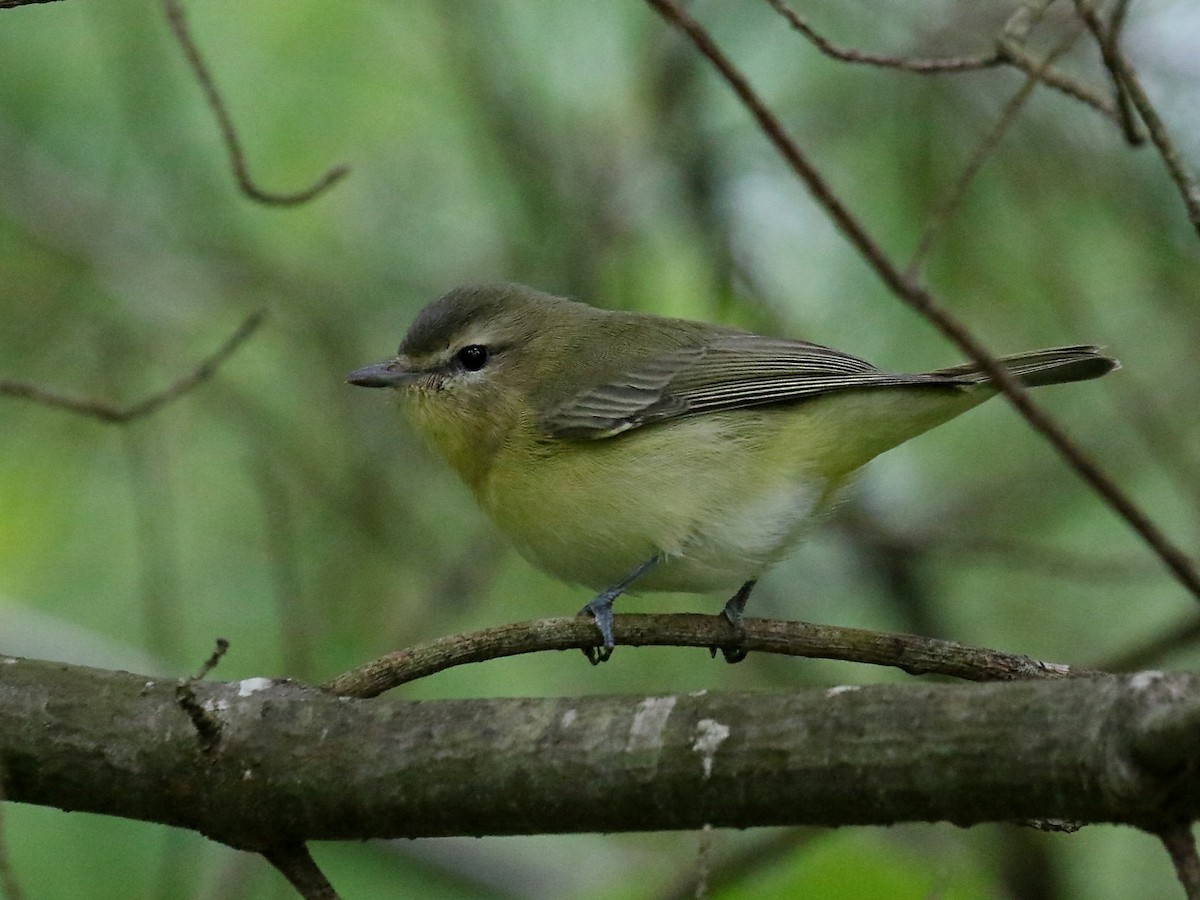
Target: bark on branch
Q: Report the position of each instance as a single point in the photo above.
(290, 763)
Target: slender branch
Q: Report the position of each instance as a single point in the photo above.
(915, 655)
(10, 888)
(923, 301)
(985, 149)
(13, 4)
(903, 63)
(1180, 844)
(107, 412)
(177, 19)
(1111, 54)
(1009, 51)
(297, 866)
(1130, 86)
(1021, 59)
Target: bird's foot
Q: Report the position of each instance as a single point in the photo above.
(600, 609)
(734, 607)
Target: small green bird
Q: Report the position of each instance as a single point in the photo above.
(620, 449)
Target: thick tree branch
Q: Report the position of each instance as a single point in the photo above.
(913, 654)
(294, 763)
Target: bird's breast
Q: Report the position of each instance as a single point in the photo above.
(715, 495)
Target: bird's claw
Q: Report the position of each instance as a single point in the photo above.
(733, 615)
(600, 609)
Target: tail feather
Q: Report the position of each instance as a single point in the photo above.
(1056, 365)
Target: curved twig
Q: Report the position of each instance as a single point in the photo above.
(913, 654)
(233, 145)
(107, 412)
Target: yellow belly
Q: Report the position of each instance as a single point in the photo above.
(720, 497)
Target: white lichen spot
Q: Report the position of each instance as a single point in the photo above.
(1056, 668)
(147, 685)
(649, 722)
(568, 718)
(1142, 680)
(215, 706)
(247, 775)
(9, 661)
(699, 693)
(253, 686)
(710, 734)
(841, 689)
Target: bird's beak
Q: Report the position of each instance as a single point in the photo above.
(394, 373)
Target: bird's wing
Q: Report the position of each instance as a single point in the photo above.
(732, 371)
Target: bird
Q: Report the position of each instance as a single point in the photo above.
(625, 451)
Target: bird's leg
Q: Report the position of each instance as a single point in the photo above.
(734, 607)
(600, 608)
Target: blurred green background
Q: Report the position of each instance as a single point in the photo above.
(585, 149)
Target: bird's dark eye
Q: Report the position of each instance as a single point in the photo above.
(473, 357)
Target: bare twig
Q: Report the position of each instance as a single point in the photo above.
(1009, 51)
(1130, 85)
(1180, 844)
(990, 141)
(297, 866)
(903, 63)
(107, 412)
(12, 4)
(913, 654)
(9, 886)
(1109, 51)
(233, 145)
(923, 301)
(1020, 58)
(221, 648)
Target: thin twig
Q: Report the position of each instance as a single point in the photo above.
(1009, 52)
(233, 145)
(1181, 846)
(1124, 74)
(107, 412)
(903, 63)
(296, 864)
(1111, 54)
(923, 301)
(990, 141)
(1021, 59)
(221, 648)
(13, 4)
(9, 886)
(913, 654)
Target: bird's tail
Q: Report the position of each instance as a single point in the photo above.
(1056, 365)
